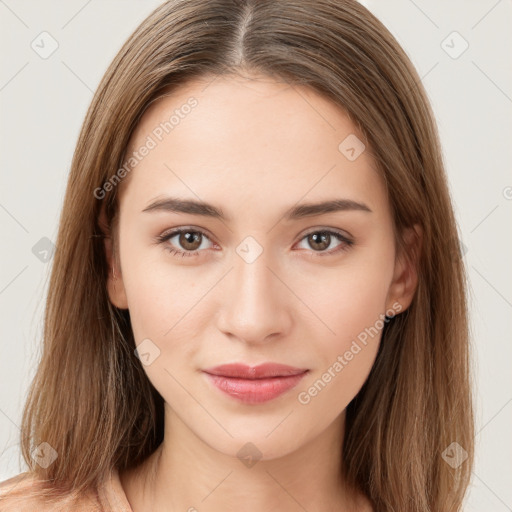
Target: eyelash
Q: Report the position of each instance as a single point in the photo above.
(161, 239)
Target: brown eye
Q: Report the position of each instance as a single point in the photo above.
(319, 241)
(187, 242)
(190, 240)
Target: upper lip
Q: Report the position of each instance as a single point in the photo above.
(261, 371)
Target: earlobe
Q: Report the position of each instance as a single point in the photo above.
(405, 277)
(115, 288)
(115, 285)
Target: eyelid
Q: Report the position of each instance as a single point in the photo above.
(174, 231)
(321, 229)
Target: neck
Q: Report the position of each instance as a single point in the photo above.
(186, 474)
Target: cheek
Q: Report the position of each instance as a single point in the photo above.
(163, 314)
(352, 307)
(353, 296)
(169, 306)
(361, 303)
(159, 293)
(347, 359)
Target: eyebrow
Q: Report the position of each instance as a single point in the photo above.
(193, 207)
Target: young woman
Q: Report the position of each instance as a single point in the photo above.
(256, 300)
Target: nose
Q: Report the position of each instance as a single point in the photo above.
(256, 308)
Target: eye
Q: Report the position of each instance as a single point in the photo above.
(188, 238)
(321, 239)
(191, 241)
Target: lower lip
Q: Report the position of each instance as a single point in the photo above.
(255, 391)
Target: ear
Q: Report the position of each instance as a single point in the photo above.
(405, 276)
(115, 284)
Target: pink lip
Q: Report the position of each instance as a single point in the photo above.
(254, 385)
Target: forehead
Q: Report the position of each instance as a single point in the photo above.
(231, 139)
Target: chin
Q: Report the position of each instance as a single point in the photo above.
(259, 443)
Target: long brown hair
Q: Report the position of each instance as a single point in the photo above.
(91, 400)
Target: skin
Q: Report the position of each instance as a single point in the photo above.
(253, 147)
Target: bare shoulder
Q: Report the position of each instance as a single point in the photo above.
(15, 493)
(20, 494)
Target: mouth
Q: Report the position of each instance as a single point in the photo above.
(254, 385)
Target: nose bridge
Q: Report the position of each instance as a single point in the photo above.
(255, 307)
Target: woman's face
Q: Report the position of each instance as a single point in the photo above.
(260, 277)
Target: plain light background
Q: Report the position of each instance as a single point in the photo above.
(42, 105)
